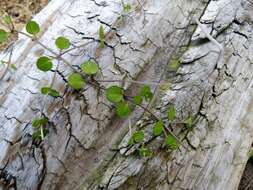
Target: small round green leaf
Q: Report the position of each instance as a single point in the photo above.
(171, 113)
(44, 64)
(101, 33)
(138, 136)
(45, 90)
(39, 122)
(62, 43)
(145, 152)
(146, 93)
(123, 109)
(54, 93)
(189, 123)
(158, 128)
(7, 19)
(89, 68)
(32, 27)
(76, 81)
(137, 100)
(39, 134)
(14, 67)
(171, 142)
(127, 7)
(50, 91)
(114, 94)
(3, 36)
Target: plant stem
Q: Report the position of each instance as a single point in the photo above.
(157, 119)
(177, 139)
(59, 57)
(57, 66)
(77, 47)
(48, 49)
(42, 133)
(134, 81)
(8, 63)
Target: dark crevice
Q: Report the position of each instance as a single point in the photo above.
(246, 182)
(241, 34)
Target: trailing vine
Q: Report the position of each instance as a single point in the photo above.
(78, 79)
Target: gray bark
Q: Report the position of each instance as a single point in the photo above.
(85, 147)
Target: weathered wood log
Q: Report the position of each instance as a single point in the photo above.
(85, 147)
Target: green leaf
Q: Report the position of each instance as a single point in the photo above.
(189, 123)
(7, 19)
(101, 33)
(145, 152)
(36, 135)
(114, 94)
(32, 27)
(50, 91)
(158, 128)
(123, 109)
(76, 81)
(131, 141)
(126, 7)
(44, 64)
(89, 68)
(3, 36)
(171, 142)
(39, 134)
(171, 113)
(39, 122)
(14, 67)
(138, 136)
(62, 43)
(45, 90)
(146, 93)
(137, 100)
(54, 93)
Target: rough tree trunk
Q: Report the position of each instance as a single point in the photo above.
(85, 146)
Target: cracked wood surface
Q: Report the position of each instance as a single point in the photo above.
(86, 145)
